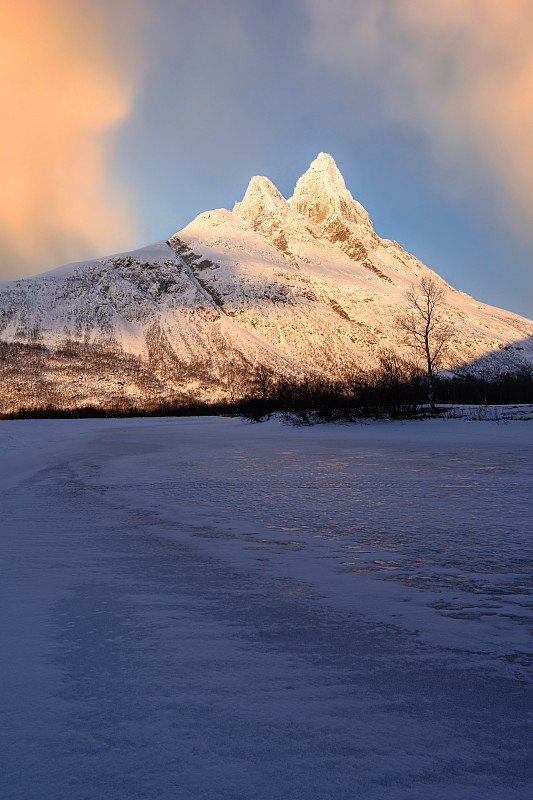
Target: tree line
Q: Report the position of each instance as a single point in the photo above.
(395, 389)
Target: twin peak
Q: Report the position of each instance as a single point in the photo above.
(319, 194)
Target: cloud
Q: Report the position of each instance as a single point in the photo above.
(458, 71)
(67, 77)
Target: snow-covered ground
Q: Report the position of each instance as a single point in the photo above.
(205, 608)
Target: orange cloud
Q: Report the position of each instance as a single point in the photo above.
(67, 75)
(460, 71)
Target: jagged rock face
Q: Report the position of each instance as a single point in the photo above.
(304, 286)
(261, 199)
(321, 194)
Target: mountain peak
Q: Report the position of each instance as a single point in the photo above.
(326, 170)
(261, 197)
(321, 194)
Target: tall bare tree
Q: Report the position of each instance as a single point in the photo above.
(425, 330)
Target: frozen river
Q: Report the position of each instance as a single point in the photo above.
(205, 608)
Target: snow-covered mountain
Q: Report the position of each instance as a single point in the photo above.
(304, 286)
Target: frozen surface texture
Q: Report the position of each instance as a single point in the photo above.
(212, 609)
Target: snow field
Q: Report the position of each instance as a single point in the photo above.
(205, 608)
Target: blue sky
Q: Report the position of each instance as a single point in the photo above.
(426, 108)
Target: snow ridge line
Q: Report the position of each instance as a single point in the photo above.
(196, 283)
(104, 298)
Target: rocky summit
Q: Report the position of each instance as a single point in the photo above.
(303, 286)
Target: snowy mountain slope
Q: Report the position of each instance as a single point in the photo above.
(303, 285)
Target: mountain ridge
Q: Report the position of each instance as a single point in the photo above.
(304, 286)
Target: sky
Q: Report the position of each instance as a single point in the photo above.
(124, 119)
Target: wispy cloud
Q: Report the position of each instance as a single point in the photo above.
(458, 71)
(67, 76)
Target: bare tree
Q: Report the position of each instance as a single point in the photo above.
(260, 390)
(425, 330)
(262, 382)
